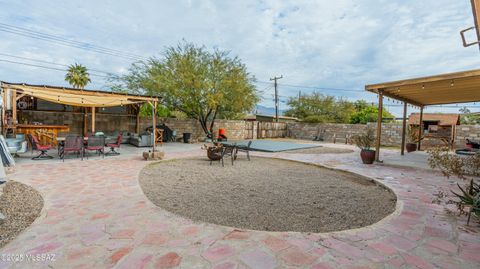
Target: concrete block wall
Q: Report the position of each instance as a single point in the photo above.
(236, 129)
(103, 122)
(302, 130)
(391, 132)
(467, 131)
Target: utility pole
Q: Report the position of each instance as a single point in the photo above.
(276, 95)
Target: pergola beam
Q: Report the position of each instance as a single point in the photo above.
(421, 80)
(93, 119)
(388, 94)
(98, 93)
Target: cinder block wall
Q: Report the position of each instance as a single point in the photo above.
(108, 123)
(236, 129)
(391, 132)
(103, 122)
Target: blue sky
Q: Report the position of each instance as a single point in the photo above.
(326, 44)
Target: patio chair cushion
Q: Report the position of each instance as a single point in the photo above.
(113, 145)
(43, 147)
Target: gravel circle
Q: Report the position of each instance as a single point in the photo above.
(21, 205)
(320, 150)
(266, 194)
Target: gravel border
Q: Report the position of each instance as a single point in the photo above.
(267, 194)
(21, 205)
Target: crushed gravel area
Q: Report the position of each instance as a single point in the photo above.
(266, 194)
(320, 150)
(21, 205)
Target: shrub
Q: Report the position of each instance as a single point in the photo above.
(464, 167)
(365, 141)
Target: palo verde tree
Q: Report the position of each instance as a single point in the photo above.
(77, 76)
(202, 84)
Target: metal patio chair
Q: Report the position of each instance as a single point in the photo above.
(73, 143)
(96, 144)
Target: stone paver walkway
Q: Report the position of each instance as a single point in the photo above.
(96, 216)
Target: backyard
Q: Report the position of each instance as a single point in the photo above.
(96, 214)
(240, 134)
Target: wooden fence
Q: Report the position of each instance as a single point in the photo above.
(271, 129)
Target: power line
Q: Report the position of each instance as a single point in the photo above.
(312, 87)
(52, 63)
(24, 31)
(46, 67)
(67, 42)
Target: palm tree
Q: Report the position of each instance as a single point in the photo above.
(77, 76)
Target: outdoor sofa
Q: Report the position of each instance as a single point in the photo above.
(141, 140)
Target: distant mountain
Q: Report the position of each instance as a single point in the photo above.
(264, 110)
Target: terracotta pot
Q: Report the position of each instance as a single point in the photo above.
(411, 147)
(368, 156)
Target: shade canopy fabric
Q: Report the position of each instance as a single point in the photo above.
(460, 87)
(75, 97)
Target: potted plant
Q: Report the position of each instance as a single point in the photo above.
(412, 140)
(365, 143)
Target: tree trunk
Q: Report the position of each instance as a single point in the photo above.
(203, 123)
(213, 121)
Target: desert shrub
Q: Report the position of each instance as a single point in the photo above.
(365, 141)
(467, 198)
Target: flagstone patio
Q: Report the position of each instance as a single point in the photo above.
(96, 216)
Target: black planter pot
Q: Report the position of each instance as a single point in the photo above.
(411, 147)
(368, 156)
(186, 137)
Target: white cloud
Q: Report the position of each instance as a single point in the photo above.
(338, 44)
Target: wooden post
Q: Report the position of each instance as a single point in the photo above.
(85, 121)
(404, 127)
(420, 129)
(14, 111)
(4, 102)
(93, 119)
(379, 126)
(154, 121)
(454, 134)
(3, 110)
(137, 123)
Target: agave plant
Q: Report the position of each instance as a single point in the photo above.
(469, 198)
(468, 201)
